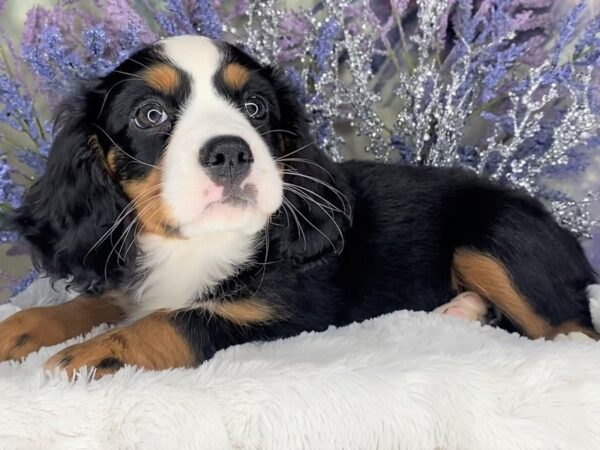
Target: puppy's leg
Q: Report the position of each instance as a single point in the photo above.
(468, 305)
(30, 329)
(166, 340)
(152, 343)
(534, 315)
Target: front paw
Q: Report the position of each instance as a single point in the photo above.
(103, 355)
(25, 332)
(150, 343)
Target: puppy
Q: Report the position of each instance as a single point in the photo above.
(185, 195)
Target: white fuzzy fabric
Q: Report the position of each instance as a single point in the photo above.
(403, 381)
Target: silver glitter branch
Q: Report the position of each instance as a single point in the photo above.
(428, 102)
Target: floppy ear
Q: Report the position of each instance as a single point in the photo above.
(318, 203)
(68, 213)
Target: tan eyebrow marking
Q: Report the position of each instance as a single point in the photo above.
(235, 75)
(162, 77)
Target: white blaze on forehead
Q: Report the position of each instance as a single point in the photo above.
(196, 55)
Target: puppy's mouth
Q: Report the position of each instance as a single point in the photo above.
(237, 196)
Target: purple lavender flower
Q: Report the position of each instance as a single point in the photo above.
(10, 192)
(587, 49)
(177, 21)
(51, 59)
(297, 83)
(295, 29)
(124, 17)
(503, 60)
(17, 107)
(206, 19)
(567, 31)
(95, 42)
(7, 237)
(325, 44)
(407, 154)
(190, 17)
(34, 160)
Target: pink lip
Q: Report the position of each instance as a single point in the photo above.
(213, 194)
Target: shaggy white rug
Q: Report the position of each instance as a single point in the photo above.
(403, 381)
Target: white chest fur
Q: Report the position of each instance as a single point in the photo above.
(179, 272)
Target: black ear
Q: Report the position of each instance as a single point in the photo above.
(318, 202)
(68, 214)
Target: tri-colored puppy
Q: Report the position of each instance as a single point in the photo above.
(185, 192)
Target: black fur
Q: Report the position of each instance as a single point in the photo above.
(69, 213)
(385, 244)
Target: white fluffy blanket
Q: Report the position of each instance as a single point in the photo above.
(403, 381)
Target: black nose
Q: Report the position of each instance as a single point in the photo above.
(226, 158)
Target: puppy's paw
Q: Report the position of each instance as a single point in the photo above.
(25, 332)
(101, 354)
(576, 336)
(467, 305)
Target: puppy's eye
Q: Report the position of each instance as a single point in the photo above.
(255, 107)
(150, 115)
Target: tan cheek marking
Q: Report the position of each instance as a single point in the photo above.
(153, 213)
(29, 330)
(162, 77)
(235, 75)
(243, 312)
(151, 343)
(488, 277)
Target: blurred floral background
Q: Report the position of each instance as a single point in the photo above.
(507, 88)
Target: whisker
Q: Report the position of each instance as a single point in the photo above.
(120, 149)
(288, 204)
(296, 151)
(137, 62)
(306, 192)
(279, 131)
(161, 132)
(308, 161)
(125, 233)
(315, 227)
(129, 74)
(109, 91)
(264, 271)
(128, 209)
(323, 208)
(334, 190)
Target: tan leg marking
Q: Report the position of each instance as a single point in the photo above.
(244, 311)
(488, 277)
(235, 75)
(150, 343)
(29, 330)
(162, 77)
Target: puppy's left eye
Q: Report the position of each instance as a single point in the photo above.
(255, 107)
(150, 115)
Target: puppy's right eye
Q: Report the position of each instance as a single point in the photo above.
(150, 115)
